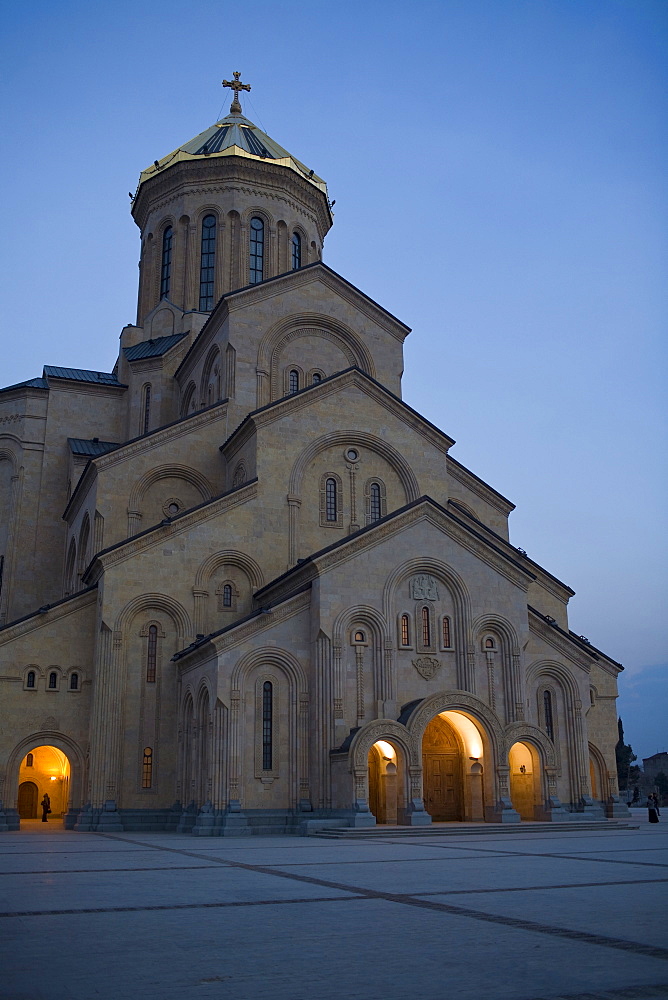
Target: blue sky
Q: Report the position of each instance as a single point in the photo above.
(499, 174)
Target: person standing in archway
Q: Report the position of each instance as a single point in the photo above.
(46, 807)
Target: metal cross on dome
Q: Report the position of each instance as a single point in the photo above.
(236, 85)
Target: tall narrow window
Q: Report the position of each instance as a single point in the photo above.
(256, 250)
(547, 709)
(151, 654)
(74, 682)
(147, 409)
(30, 679)
(331, 506)
(166, 267)
(267, 725)
(446, 632)
(207, 263)
(405, 631)
(293, 381)
(426, 629)
(29, 760)
(53, 680)
(296, 251)
(374, 502)
(147, 768)
(227, 595)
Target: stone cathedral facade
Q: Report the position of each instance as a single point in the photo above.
(245, 587)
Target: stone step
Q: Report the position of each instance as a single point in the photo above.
(465, 829)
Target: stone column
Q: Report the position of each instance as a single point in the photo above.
(476, 793)
(359, 675)
(294, 503)
(106, 729)
(200, 598)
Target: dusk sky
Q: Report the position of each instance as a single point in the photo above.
(499, 169)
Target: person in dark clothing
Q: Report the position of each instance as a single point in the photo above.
(46, 807)
(652, 808)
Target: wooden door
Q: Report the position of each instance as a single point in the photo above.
(28, 800)
(522, 794)
(442, 786)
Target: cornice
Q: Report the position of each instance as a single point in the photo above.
(479, 487)
(318, 271)
(162, 435)
(423, 509)
(144, 443)
(546, 580)
(86, 388)
(560, 641)
(275, 616)
(158, 533)
(223, 172)
(55, 612)
(333, 384)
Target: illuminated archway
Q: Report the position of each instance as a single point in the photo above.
(525, 779)
(387, 792)
(43, 770)
(452, 761)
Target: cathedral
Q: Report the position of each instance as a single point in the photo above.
(244, 587)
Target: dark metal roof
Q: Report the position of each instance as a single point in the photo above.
(235, 130)
(152, 348)
(81, 375)
(92, 446)
(31, 383)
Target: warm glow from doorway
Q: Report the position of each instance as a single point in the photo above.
(467, 730)
(386, 749)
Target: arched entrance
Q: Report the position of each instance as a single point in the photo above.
(452, 752)
(43, 770)
(525, 782)
(386, 790)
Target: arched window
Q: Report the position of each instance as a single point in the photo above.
(166, 266)
(53, 680)
(426, 628)
(146, 422)
(147, 768)
(296, 251)
(446, 632)
(374, 502)
(30, 679)
(405, 630)
(489, 643)
(547, 710)
(331, 500)
(293, 381)
(316, 377)
(239, 477)
(74, 682)
(359, 636)
(227, 595)
(267, 725)
(256, 250)
(29, 760)
(207, 263)
(151, 654)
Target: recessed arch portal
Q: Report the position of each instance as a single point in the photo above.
(525, 779)
(55, 765)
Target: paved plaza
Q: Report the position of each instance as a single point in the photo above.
(517, 916)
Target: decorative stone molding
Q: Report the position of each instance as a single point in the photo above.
(427, 666)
